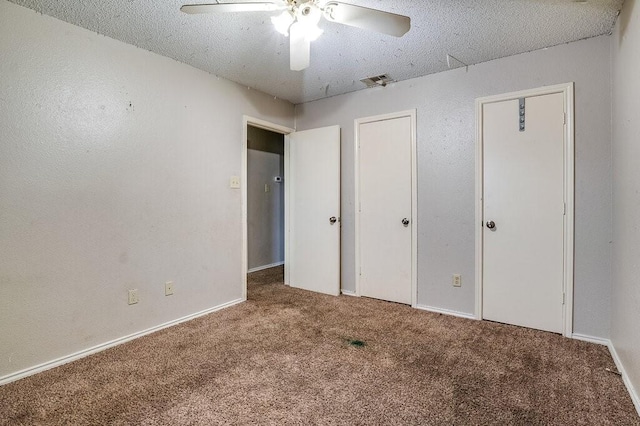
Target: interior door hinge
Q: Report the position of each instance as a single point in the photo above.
(564, 118)
(564, 298)
(564, 209)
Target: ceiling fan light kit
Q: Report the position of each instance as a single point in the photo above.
(283, 21)
(299, 21)
(308, 16)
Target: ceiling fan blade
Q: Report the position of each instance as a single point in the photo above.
(300, 47)
(230, 7)
(368, 19)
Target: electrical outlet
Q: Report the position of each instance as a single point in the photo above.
(133, 296)
(168, 288)
(457, 280)
(267, 188)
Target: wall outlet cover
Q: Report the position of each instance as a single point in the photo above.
(457, 280)
(168, 288)
(133, 296)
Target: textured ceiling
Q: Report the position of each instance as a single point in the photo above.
(245, 48)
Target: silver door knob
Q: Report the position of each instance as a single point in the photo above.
(405, 222)
(491, 224)
(333, 220)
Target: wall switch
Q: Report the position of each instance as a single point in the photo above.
(133, 296)
(234, 182)
(457, 280)
(168, 288)
(267, 188)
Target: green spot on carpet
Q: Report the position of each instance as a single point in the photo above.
(357, 343)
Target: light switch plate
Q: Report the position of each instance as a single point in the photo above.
(234, 182)
(168, 288)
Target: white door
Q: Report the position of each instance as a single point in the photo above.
(385, 211)
(313, 218)
(523, 212)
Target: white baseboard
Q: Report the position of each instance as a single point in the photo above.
(591, 339)
(12, 377)
(446, 312)
(260, 268)
(348, 293)
(616, 359)
(625, 378)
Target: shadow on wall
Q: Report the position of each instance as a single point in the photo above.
(625, 19)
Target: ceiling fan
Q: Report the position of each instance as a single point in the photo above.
(299, 20)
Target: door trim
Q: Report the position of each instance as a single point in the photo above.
(283, 130)
(567, 90)
(414, 197)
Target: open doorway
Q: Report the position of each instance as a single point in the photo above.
(264, 204)
(307, 195)
(265, 199)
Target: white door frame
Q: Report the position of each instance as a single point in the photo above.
(414, 197)
(283, 130)
(569, 166)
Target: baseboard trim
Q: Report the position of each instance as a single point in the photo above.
(349, 293)
(616, 359)
(625, 378)
(446, 312)
(260, 268)
(591, 339)
(12, 377)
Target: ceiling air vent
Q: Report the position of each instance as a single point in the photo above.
(377, 81)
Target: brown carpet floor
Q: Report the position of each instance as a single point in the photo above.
(292, 357)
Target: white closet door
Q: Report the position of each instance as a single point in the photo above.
(385, 209)
(523, 234)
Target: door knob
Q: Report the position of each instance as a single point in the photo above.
(491, 224)
(405, 222)
(333, 220)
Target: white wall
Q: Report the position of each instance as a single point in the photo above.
(265, 210)
(625, 308)
(114, 174)
(446, 147)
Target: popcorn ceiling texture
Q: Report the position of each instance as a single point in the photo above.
(245, 48)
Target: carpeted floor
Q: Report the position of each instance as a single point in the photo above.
(292, 357)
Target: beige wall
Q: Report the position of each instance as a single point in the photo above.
(625, 307)
(114, 174)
